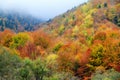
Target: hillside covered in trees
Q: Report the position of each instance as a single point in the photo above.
(17, 21)
(81, 44)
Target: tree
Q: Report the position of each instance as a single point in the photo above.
(19, 40)
(41, 39)
(97, 55)
(9, 64)
(88, 21)
(29, 50)
(100, 36)
(39, 69)
(61, 29)
(105, 5)
(6, 37)
(25, 71)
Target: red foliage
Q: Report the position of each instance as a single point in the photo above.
(83, 73)
(29, 50)
(85, 56)
(117, 68)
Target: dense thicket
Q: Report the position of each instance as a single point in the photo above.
(82, 44)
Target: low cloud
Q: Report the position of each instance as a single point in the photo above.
(40, 8)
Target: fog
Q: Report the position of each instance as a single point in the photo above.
(44, 9)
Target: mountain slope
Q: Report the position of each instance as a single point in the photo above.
(91, 14)
(81, 44)
(17, 21)
(87, 37)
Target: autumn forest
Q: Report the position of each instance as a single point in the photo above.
(81, 44)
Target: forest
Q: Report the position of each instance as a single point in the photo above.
(81, 44)
(18, 21)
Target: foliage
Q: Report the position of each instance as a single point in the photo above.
(62, 76)
(19, 40)
(39, 69)
(81, 44)
(100, 36)
(17, 21)
(6, 37)
(75, 31)
(107, 75)
(97, 56)
(85, 8)
(61, 29)
(29, 50)
(9, 64)
(57, 47)
(41, 39)
(88, 21)
(25, 72)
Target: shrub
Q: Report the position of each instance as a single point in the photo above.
(107, 75)
(9, 63)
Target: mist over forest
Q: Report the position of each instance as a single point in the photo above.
(59, 40)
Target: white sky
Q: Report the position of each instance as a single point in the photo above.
(40, 8)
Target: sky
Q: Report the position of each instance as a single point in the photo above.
(45, 9)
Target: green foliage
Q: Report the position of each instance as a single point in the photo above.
(107, 75)
(52, 65)
(97, 55)
(19, 40)
(73, 17)
(25, 72)
(62, 76)
(105, 5)
(39, 69)
(89, 40)
(13, 68)
(118, 22)
(99, 6)
(9, 64)
(57, 47)
(113, 15)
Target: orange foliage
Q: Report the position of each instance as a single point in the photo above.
(6, 37)
(85, 57)
(30, 51)
(41, 39)
(100, 36)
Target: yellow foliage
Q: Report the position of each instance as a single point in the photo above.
(51, 58)
(78, 57)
